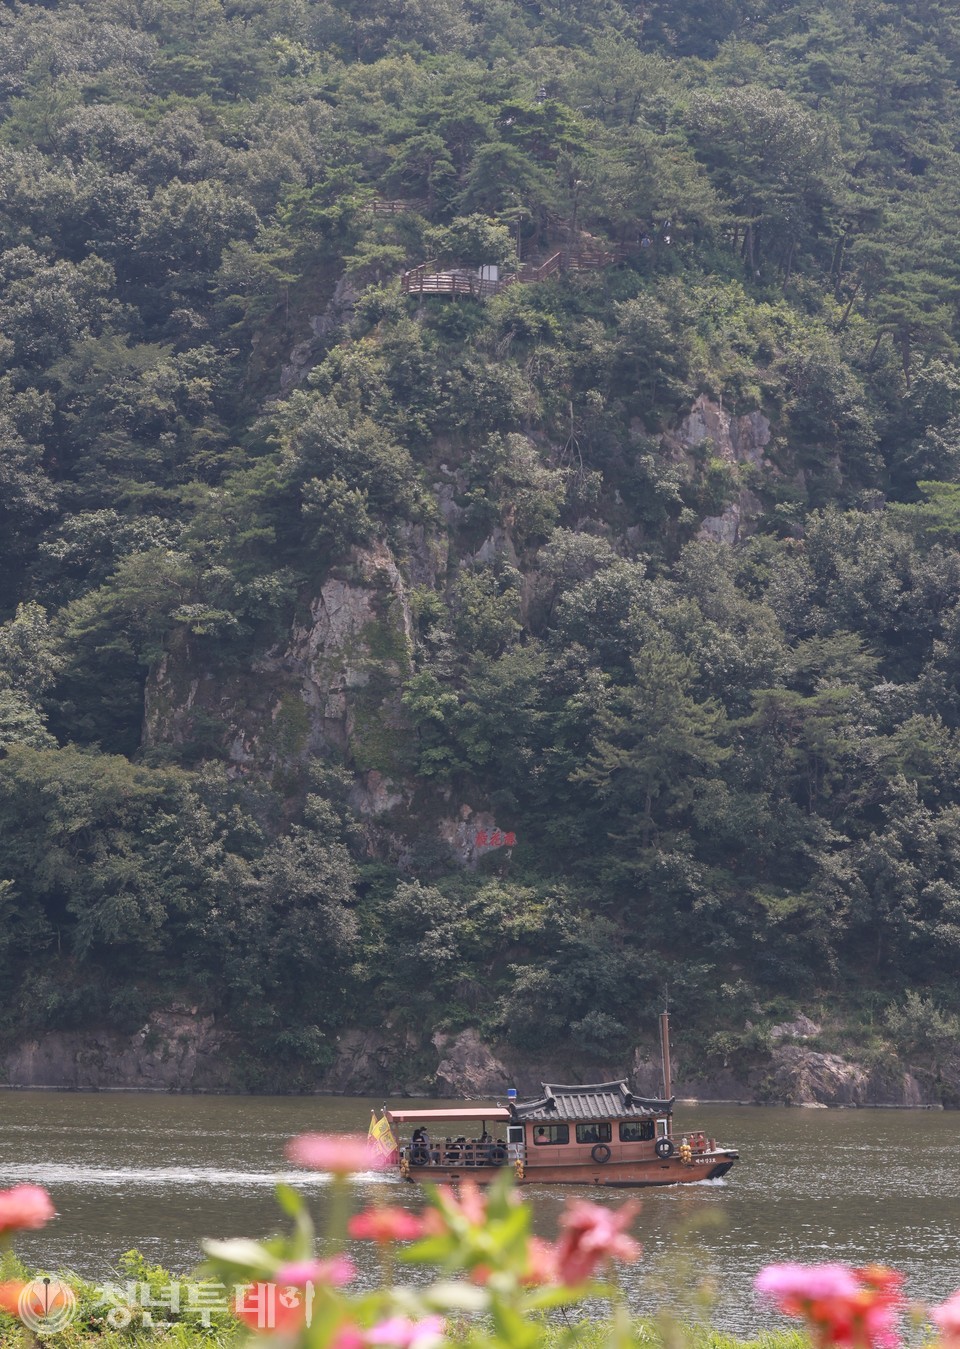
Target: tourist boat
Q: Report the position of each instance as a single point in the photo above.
(596, 1134)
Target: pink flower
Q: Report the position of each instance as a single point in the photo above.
(541, 1263)
(401, 1333)
(260, 1308)
(859, 1308)
(343, 1154)
(946, 1318)
(25, 1206)
(386, 1223)
(348, 1336)
(469, 1205)
(335, 1272)
(789, 1284)
(591, 1234)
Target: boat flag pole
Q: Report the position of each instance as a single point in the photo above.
(665, 1053)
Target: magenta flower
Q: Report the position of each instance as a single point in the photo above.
(342, 1154)
(590, 1235)
(808, 1283)
(335, 1272)
(386, 1223)
(25, 1206)
(401, 1333)
(855, 1308)
(348, 1336)
(946, 1318)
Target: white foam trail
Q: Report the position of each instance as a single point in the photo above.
(166, 1176)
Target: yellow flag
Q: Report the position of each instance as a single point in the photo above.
(380, 1137)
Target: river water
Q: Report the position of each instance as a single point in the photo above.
(160, 1172)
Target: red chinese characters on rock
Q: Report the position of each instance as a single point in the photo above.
(494, 838)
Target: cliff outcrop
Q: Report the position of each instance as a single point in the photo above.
(183, 1051)
(333, 684)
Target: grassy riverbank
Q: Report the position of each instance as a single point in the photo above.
(583, 1334)
(139, 1294)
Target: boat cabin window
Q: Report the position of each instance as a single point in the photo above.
(636, 1130)
(593, 1133)
(663, 1128)
(551, 1133)
(515, 1133)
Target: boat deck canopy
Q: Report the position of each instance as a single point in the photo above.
(495, 1113)
(599, 1100)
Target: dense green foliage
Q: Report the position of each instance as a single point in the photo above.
(731, 768)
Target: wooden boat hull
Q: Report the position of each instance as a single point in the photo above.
(613, 1174)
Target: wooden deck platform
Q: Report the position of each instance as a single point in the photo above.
(424, 281)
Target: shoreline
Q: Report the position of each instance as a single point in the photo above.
(684, 1101)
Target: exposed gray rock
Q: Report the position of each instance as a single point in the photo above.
(738, 440)
(497, 544)
(335, 682)
(303, 356)
(468, 1067)
(179, 1050)
(374, 794)
(803, 1077)
(173, 1051)
(463, 835)
(800, 1029)
(377, 1061)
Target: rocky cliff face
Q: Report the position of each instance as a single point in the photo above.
(181, 1051)
(334, 683)
(736, 441)
(176, 1050)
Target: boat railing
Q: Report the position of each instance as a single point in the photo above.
(457, 1154)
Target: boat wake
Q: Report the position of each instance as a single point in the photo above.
(164, 1176)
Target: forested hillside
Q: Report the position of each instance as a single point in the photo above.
(495, 660)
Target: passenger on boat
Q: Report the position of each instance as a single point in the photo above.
(420, 1147)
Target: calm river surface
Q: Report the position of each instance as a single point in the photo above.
(159, 1172)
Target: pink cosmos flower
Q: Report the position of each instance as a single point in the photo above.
(335, 1272)
(348, 1336)
(343, 1154)
(470, 1204)
(858, 1308)
(590, 1235)
(541, 1263)
(25, 1206)
(401, 1333)
(386, 1223)
(260, 1308)
(789, 1284)
(946, 1318)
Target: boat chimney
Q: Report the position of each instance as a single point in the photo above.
(665, 1054)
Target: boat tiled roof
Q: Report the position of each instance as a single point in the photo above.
(589, 1101)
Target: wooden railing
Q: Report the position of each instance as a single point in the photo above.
(421, 281)
(394, 205)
